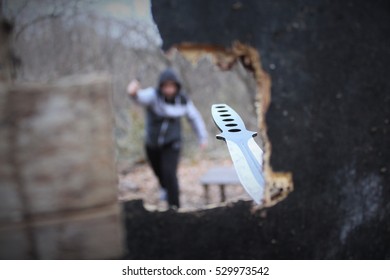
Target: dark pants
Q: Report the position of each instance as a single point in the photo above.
(164, 162)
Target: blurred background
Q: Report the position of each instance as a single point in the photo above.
(56, 38)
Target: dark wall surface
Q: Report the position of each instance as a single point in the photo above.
(328, 123)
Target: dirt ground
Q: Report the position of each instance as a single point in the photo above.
(140, 183)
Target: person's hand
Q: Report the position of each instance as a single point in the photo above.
(133, 87)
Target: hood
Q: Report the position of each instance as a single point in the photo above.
(169, 75)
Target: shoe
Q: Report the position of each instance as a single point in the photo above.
(163, 194)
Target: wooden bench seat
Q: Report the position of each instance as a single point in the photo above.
(219, 176)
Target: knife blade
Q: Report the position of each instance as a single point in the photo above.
(246, 155)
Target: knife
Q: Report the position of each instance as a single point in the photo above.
(246, 155)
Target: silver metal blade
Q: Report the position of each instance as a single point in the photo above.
(243, 159)
(257, 152)
(246, 154)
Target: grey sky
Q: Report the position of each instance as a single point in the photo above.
(125, 9)
(135, 9)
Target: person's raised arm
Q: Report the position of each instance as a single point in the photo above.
(133, 87)
(197, 124)
(141, 96)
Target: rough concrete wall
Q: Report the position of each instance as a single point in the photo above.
(328, 123)
(58, 197)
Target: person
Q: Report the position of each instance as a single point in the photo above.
(165, 105)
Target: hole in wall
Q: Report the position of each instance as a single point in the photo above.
(278, 184)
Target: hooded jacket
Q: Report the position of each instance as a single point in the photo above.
(163, 116)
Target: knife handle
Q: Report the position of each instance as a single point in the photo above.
(230, 124)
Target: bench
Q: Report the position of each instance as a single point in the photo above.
(220, 176)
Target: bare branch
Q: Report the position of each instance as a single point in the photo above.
(33, 22)
(60, 8)
(21, 9)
